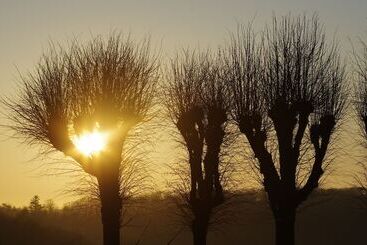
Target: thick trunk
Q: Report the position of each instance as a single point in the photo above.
(212, 176)
(199, 231)
(284, 227)
(110, 210)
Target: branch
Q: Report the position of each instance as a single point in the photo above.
(320, 138)
(305, 110)
(250, 126)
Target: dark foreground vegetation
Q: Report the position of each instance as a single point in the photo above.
(335, 218)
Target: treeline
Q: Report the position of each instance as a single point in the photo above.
(337, 211)
(44, 223)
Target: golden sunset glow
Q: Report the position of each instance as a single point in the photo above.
(90, 143)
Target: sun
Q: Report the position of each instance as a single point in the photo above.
(90, 143)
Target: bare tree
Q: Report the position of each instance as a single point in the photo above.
(105, 85)
(361, 109)
(197, 102)
(288, 93)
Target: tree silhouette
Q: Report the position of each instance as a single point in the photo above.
(49, 205)
(35, 204)
(361, 109)
(106, 85)
(288, 93)
(197, 102)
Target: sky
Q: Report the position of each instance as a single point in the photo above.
(27, 27)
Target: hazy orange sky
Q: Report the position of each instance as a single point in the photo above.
(26, 27)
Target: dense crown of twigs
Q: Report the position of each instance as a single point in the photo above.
(111, 83)
(284, 81)
(361, 87)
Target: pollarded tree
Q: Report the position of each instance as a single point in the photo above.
(361, 109)
(197, 102)
(288, 94)
(85, 103)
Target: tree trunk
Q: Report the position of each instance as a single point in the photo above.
(199, 231)
(284, 227)
(110, 209)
